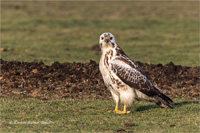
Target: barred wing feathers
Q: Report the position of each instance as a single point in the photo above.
(133, 77)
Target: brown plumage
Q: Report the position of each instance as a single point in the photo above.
(124, 78)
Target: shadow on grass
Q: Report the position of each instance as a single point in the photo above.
(143, 108)
(177, 104)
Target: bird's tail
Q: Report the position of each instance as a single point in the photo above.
(164, 101)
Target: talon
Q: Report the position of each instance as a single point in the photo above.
(114, 111)
(123, 112)
(119, 111)
(110, 111)
(128, 112)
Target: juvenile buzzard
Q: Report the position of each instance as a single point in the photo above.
(124, 78)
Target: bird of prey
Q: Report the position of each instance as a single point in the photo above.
(124, 78)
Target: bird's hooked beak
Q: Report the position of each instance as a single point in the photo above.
(107, 39)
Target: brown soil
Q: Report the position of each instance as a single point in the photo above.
(83, 80)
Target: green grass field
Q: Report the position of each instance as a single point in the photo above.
(69, 115)
(152, 32)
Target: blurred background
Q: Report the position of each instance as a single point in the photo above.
(151, 32)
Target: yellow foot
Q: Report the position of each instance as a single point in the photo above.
(112, 111)
(119, 111)
(123, 112)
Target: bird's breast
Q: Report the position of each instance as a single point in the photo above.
(104, 64)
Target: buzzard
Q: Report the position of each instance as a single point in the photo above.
(124, 78)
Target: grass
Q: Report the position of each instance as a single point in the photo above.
(73, 115)
(152, 32)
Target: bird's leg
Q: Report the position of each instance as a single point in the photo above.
(124, 111)
(116, 108)
(127, 112)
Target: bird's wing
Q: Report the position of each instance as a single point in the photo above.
(132, 76)
(123, 57)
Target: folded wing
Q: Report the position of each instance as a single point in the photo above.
(133, 77)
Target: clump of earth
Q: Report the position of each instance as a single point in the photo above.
(83, 80)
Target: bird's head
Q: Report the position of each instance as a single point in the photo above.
(107, 40)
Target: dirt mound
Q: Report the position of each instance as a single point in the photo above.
(83, 80)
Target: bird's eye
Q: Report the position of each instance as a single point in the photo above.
(111, 38)
(101, 38)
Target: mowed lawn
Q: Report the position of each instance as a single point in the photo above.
(87, 115)
(151, 32)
